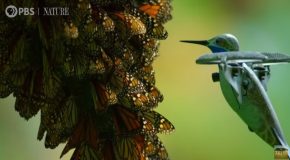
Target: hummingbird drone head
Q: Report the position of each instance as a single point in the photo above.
(223, 43)
(220, 43)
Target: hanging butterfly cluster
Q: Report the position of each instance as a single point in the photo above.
(89, 74)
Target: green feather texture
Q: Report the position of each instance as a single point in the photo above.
(89, 74)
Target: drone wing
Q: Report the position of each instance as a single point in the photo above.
(263, 58)
(232, 57)
(275, 58)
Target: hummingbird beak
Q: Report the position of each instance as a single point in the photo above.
(204, 42)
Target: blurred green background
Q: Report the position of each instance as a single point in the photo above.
(206, 127)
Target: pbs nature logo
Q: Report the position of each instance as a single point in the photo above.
(12, 11)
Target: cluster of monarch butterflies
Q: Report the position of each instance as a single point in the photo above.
(89, 74)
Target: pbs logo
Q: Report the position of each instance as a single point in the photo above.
(11, 11)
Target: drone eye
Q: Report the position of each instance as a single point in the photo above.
(219, 41)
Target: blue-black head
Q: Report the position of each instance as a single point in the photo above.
(220, 43)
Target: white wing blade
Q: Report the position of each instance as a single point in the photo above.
(275, 58)
(231, 57)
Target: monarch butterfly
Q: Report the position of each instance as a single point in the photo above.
(84, 137)
(138, 95)
(97, 66)
(53, 121)
(158, 32)
(135, 25)
(5, 89)
(165, 10)
(17, 76)
(126, 122)
(30, 96)
(148, 48)
(4, 56)
(128, 57)
(149, 44)
(155, 93)
(150, 147)
(107, 150)
(154, 149)
(159, 123)
(142, 100)
(133, 85)
(76, 65)
(90, 74)
(71, 114)
(25, 107)
(101, 17)
(151, 10)
(51, 84)
(105, 3)
(129, 148)
(71, 30)
(108, 24)
(160, 10)
(147, 75)
(106, 95)
(85, 152)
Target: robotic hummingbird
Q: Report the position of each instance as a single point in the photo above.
(243, 78)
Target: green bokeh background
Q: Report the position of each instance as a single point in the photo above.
(206, 127)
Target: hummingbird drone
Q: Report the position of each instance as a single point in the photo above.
(243, 77)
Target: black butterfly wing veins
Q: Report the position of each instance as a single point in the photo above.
(89, 74)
